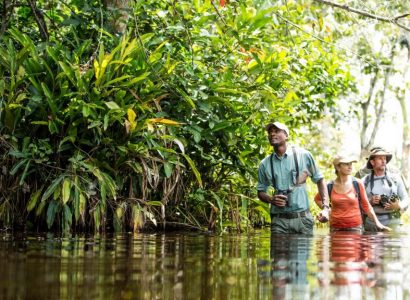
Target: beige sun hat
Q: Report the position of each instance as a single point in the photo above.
(378, 151)
(344, 158)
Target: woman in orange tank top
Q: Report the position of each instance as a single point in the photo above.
(347, 205)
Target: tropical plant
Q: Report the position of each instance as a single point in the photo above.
(160, 125)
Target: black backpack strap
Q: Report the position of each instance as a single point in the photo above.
(390, 178)
(295, 158)
(359, 198)
(273, 174)
(366, 181)
(329, 191)
(357, 189)
(371, 181)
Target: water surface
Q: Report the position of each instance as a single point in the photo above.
(205, 266)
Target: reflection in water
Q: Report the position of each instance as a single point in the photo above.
(141, 266)
(356, 266)
(200, 266)
(289, 256)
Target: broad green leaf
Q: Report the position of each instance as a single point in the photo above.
(83, 202)
(154, 203)
(131, 123)
(131, 115)
(33, 200)
(164, 121)
(51, 213)
(168, 169)
(137, 217)
(112, 105)
(106, 122)
(97, 69)
(25, 173)
(97, 218)
(57, 193)
(22, 162)
(40, 208)
(186, 97)
(137, 79)
(50, 190)
(67, 218)
(39, 122)
(66, 190)
(119, 212)
(193, 168)
(111, 82)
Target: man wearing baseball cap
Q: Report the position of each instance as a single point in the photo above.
(385, 190)
(286, 170)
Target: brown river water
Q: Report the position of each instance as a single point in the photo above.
(186, 265)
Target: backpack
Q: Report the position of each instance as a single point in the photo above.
(392, 175)
(357, 189)
(390, 180)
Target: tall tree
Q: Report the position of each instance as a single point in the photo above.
(376, 30)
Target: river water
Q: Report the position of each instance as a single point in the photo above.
(205, 266)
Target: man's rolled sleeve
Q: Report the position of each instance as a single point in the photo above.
(263, 180)
(316, 175)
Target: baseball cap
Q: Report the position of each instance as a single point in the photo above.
(278, 125)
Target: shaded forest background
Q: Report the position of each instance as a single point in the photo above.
(127, 115)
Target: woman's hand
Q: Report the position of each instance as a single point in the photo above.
(323, 215)
(381, 227)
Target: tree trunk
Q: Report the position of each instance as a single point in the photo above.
(380, 109)
(121, 6)
(405, 171)
(39, 17)
(365, 112)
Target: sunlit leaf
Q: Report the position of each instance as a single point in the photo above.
(33, 200)
(164, 121)
(112, 105)
(66, 190)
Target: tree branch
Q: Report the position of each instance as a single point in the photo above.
(393, 20)
(219, 14)
(402, 16)
(365, 111)
(6, 15)
(38, 15)
(380, 109)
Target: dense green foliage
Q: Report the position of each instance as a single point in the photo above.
(161, 123)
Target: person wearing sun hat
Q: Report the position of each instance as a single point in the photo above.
(348, 198)
(286, 170)
(385, 190)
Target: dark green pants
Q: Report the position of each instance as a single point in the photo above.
(303, 225)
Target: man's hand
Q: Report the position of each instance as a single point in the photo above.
(279, 200)
(392, 205)
(323, 215)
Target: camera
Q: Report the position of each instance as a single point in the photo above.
(285, 193)
(384, 199)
